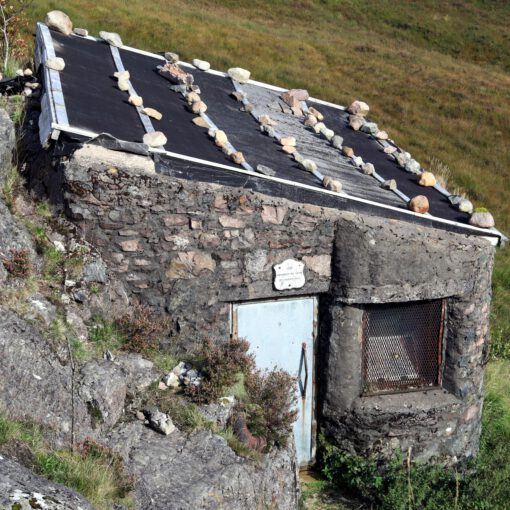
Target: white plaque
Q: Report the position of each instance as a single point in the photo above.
(289, 275)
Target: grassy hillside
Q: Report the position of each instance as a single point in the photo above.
(435, 73)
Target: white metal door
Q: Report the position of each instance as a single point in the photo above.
(281, 334)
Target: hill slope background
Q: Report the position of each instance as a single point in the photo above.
(436, 74)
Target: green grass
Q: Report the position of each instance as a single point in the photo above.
(94, 472)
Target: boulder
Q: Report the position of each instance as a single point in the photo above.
(220, 137)
(122, 75)
(347, 151)
(123, 85)
(412, 166)
(135, 100)
(461, 203)
(316, 113)
(390, 184)
(419, 204)
(56, 64)
(200, 122)
(82, 32)
(332, 184)
(309, 165)
(359, 108)
(159, 421)
(171, 57)
(482, 219)
(239, 74)
(22, 489)
(238, 157)
(59, 21)
(356, 122)
(154, 139)
(198, 107)
(112, 38)
(153, 113)
(337, 141)
(293, 97)
(288, 140)
(102, 386)
(426, 179)
(370, 128)
(368, 169)
(310, 120)
(201, 471)
(203, 65)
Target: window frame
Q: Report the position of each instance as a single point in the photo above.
(371, 388)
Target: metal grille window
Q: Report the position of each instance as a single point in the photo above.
(402, 346)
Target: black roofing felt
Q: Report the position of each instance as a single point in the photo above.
(368, 148)
(94, 103)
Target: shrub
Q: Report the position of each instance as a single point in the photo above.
(221, 364)
(19, 264)
(142, 328)
(270, 405)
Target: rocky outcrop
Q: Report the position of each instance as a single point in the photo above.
(21, 489)
(36, 384)
(201, 471)
(7, 144)
(13, 235)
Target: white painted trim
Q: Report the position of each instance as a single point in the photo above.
(51, 77)
(144, 119)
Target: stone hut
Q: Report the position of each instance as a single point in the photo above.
(240, 208)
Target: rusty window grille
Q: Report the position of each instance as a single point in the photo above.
(402, 346)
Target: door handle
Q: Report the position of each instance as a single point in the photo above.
(305, 364)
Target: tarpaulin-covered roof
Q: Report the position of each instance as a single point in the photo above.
(84, 100)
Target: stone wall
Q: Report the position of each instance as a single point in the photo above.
(191, 249)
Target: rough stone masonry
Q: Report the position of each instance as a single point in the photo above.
(192, 248)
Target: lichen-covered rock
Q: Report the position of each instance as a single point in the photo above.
(34, 383)
(21, 489)
(59, 21)
(201, 471)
